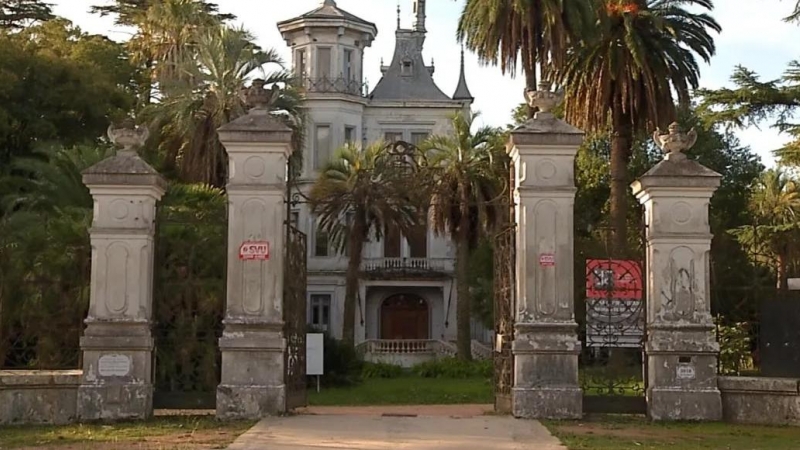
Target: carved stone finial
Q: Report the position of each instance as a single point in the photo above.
(128, 136)
(544, 99)
(675, 141)
(259, 99)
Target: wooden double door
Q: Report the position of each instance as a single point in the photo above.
(405, 316)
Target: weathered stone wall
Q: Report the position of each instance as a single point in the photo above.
(760, 400)
(38, 397)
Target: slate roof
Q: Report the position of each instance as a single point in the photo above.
(329, 10)
(462, 90)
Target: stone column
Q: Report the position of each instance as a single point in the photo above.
(252, 343)
(681, 347)
(117, 344)
(546, 345)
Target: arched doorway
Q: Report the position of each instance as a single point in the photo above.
(405, 316)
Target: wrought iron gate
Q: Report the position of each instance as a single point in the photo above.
(294, 317)
(504, 262)
(612, 317)
(189, 298)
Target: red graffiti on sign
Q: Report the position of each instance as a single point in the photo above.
(254, 250)
(547, 260)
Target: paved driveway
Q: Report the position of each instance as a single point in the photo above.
(375, 430)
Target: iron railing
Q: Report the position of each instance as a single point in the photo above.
(329, 85)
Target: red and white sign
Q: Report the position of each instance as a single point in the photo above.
(547, 260)
(254, 250)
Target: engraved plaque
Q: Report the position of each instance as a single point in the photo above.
(685, 372)
(114, 365)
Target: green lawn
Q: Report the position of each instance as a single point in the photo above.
(629, 433)
(406, 390)
(176, 432)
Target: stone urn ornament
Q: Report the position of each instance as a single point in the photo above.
(674, 142)
(129, 136)
(257, 98)
(544, 99)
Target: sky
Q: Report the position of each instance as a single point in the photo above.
(753, 35)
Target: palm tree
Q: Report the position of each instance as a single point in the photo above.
(775, 207)
(209, 97)
(625, 78)
(466, 183)
(357, 193)
(536, 31)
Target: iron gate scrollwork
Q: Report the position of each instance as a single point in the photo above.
(294, 317)
(504, 267)
(612, 319)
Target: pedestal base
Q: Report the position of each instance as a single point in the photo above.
(684, 404)
(115, 402)
(250, 402)
(547, 403)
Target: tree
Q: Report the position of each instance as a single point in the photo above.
(466, 182)
(133, 12)
(18, 14)
(358, 193)
(210, 96)
(539, 32)
(625, 77)
(773, 236)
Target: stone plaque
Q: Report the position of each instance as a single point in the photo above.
(114, 366)
(685, 372)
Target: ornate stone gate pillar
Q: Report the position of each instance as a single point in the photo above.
(546, 345)
(252, 344)
(117, 344)
(681, 347)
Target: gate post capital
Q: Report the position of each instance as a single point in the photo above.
(681, 348)
(546, 345)
(117, 344)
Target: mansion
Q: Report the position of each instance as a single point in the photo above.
(407, 291)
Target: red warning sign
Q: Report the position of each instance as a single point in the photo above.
(254, 250)
(547, 260)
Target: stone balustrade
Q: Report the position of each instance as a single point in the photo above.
(409, 265)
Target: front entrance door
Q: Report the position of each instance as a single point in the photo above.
(405, 316)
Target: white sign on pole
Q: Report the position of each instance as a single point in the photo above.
(794, 284)
(314, 352)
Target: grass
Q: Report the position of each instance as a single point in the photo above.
(629, 433)
(174, 432)
(406, 390)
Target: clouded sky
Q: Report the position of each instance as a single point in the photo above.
(753, 35)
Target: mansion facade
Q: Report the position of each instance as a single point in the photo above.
(407, 291)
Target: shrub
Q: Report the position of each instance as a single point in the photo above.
(454, 368)
(381, 370)
(341, 363)
(735, 354)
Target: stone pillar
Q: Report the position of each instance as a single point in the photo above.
(252, 343)
(681, 347)
(546, 345)
(117, 344)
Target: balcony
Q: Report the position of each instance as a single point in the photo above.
(409, 352)
(408, 267)
(327, 85)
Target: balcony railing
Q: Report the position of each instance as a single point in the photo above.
(328, 85)
(408, 265)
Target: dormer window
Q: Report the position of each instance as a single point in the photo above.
(406, 67)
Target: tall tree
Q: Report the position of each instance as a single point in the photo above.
(533, 32)
(357, 193)
(210, 96)
(466, 182)
(18, 14)
(133, 12)
(625, 78)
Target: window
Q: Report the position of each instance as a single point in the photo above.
(392, 243)
(321, 243)
(405, 68)
(418, 138)
(393, 136)
(324, 63)
(348, 65)
(418, 241)
(300, 63)
(322, 141)
(319, 311)
(349, 135)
